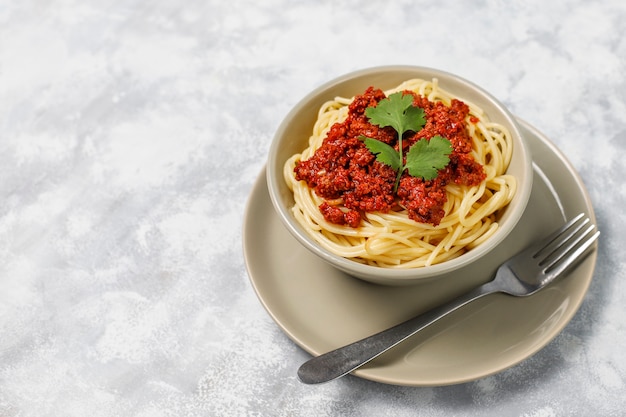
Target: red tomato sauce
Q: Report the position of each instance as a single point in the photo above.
(345, 173)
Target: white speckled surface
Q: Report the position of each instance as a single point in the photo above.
(131, 134)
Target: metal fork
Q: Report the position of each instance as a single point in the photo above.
(522, 275)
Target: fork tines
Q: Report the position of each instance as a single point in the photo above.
(566, 246)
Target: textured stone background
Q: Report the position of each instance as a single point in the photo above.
(131, 133)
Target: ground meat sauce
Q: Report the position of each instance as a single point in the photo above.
(345, 173)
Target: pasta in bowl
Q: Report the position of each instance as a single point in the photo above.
(399, 174)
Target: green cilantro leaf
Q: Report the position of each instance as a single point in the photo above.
(426, 157)
(384, 153)
(397, 111)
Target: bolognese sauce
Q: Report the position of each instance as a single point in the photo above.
(347, 175)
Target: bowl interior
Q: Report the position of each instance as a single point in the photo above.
(293, 134)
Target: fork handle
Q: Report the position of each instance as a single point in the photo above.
(341, 361)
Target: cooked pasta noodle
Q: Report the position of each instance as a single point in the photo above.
(392, 239)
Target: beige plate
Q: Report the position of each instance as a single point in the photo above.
(321, 308)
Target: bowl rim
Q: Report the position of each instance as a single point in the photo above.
(378, 274)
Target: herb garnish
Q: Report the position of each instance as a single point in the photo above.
(425, 157)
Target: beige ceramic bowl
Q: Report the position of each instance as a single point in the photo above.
(293, 134)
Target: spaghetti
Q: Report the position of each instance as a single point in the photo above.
(392, 230)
